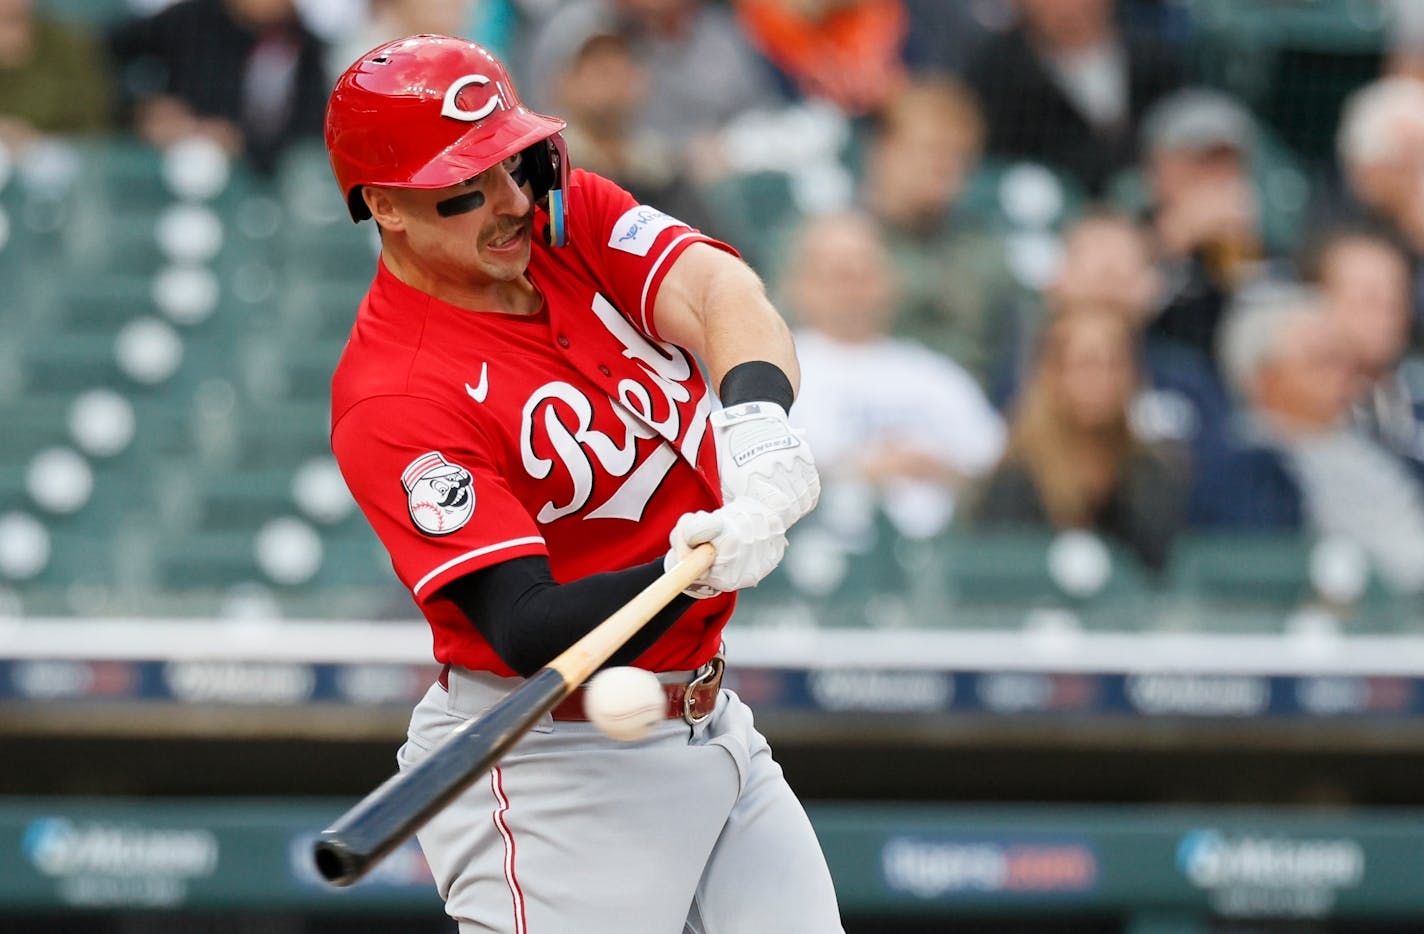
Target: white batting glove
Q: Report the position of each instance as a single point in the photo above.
(761, 456)
(750, 540)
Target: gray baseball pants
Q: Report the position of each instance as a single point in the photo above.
(692, 830)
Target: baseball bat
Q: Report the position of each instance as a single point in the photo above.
(381, 821)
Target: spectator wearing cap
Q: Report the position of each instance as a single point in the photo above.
(702, 70)
(1290, 364)
(53, 79)
(1067, 88)
(245, 73)
(1380, 147)
(956, 290)
(600, 91)
(1363, 273)
(1202, 209)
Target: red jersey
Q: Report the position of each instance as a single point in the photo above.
(470, 438)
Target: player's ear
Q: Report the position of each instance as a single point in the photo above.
(383, 207)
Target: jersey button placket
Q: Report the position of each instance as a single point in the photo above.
(604, 370)
(563, 341)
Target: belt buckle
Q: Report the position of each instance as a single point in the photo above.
(709, 672)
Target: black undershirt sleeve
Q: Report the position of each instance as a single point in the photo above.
(528, 618)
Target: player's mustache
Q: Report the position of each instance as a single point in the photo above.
(504, 230)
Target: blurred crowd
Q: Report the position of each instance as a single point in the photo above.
(1046, 269)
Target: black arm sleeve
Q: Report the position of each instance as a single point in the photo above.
(528, 618)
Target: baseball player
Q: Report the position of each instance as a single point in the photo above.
(520, 415)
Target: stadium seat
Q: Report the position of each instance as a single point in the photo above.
(354, 558)
(205, 561)
(996, 575)
(104, 303)
(284, 433)
(95, 13)
(242, 499)
(755, 210)
(307, 368)
(70, 364)
(323, 309)
(1242, 570)
(122, 175)
(1007, 195)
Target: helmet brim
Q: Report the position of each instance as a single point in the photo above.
(483, 147)
(471, 154)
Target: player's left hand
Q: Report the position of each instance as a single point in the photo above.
(760, 455)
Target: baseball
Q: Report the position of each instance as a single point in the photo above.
(625, 702)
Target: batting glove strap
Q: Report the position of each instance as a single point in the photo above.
(762, 457)
(750, 541)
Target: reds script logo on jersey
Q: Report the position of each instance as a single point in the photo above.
(560, 417)
(441, 495)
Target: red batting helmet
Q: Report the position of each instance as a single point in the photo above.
(433, 111)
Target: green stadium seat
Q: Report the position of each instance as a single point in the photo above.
(108, 242)
(355, 558)
(756, 211)
(94, 13)
(80, 557)
(1243, 569)
(999, 567)
(205, 561)
(322, 310)
(104, 303)
(69, 364)
(121, 175)
(242, 499)
(997, 575)
(307, 368)
(1006, 195)
(283, 433)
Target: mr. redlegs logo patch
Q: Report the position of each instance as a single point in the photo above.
(440, 494)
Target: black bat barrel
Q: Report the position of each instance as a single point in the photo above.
(381, 821)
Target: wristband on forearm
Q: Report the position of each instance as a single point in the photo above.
(756, 381)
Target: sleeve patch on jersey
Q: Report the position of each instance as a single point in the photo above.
(638, 228)
(441, 495)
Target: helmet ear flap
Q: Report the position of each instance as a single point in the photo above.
(547, 166)
(356, 204)
(538, 165)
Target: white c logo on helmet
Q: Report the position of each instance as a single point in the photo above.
(452, 107)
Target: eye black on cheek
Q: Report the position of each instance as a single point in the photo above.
(460, 204)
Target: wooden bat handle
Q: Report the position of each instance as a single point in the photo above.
(579, 661)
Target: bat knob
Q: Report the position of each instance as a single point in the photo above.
(336, 862)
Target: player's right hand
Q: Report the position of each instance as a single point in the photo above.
(750, 540)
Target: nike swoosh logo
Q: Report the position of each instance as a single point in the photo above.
(479, 392)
